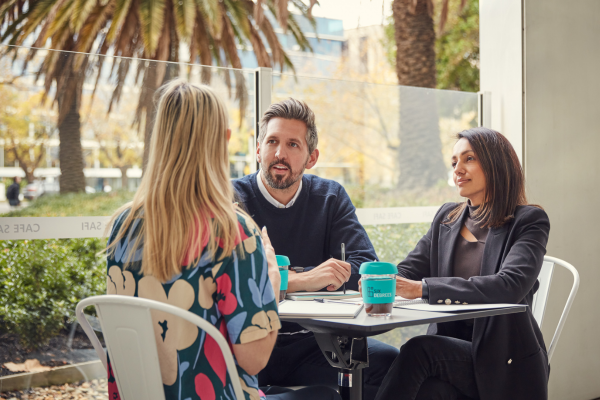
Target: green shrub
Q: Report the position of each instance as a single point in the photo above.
(392, 243)
(74, 204)
(42, 281)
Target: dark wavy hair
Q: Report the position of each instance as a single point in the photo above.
(504, 178)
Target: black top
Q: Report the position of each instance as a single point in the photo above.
(467, 263)
(313, 229)
(468, 255)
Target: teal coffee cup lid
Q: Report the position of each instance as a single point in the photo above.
(378, 268)
(282, 261)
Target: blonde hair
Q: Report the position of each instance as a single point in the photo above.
(185, 194)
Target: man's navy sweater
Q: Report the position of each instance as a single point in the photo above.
(314, 228)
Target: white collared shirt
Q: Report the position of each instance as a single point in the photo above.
(270, 198)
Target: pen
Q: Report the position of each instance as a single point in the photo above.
(334, 301)
(344, 259)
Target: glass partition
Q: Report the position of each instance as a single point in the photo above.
(78, 119)
(390, 147)
(71, 118)
(103, 108)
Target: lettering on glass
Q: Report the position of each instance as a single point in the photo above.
(25, 228)
(91, 226)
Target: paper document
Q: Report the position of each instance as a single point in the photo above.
(402, 301)
(313, 309)
(453, 308)
(309, 296)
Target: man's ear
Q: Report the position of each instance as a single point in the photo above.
(258, 151)
(312, 160)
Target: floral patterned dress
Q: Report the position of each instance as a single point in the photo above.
(233, 293)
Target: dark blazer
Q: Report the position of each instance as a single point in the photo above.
(508, 350)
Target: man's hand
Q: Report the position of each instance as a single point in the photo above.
(408, 289)
(332, 273)
(273, 270)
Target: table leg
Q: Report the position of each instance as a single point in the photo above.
(350, 355)
(350, 384)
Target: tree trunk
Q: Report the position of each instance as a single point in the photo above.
(70, 152)
(124, 179)
(148, 103)
(420, 154)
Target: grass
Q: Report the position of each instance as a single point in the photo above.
(74, 205)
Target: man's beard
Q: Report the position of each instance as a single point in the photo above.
(278, 182)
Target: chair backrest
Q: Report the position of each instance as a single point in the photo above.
(540, 299)
(129, 335)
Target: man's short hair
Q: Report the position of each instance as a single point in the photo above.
(291, 109)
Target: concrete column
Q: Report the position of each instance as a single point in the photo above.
(560, 141)
(500, 38)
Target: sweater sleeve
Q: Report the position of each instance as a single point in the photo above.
(346, 229)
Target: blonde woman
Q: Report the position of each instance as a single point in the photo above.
(182, 242)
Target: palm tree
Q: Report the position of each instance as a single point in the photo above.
(143, 29)
(420, 156)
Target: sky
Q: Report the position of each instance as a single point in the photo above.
(354, 13)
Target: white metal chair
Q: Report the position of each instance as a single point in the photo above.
(129, 335)
(540, 299)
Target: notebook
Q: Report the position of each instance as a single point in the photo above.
(309, 296)
(313, 309)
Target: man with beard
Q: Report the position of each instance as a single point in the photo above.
(307, 219)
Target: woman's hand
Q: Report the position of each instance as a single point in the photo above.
(408, 289)
(273, 271)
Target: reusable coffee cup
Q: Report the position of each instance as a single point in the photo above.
(283, 263)
(378, 287)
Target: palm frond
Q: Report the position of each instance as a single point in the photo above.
(228, 44)
(151, 20)
(81, 10)
(8, 10)
(99, 65)
(184, 18)
(258, 13)
(306, 10)
(201, 45)
(12, 31)
(44, 14)
(211, 10)
(298, 34)
(61, 19)
(118, 17)
(262, 57)
(92, 26)
(238, 16)
(282, 13)
(126, 41)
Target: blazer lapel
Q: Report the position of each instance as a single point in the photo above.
(492, 251)
(490, 264)
(447, 243)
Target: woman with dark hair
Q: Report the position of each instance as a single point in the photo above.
(488, 249)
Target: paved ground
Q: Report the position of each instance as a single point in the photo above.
(93, 390)
(4, 207)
